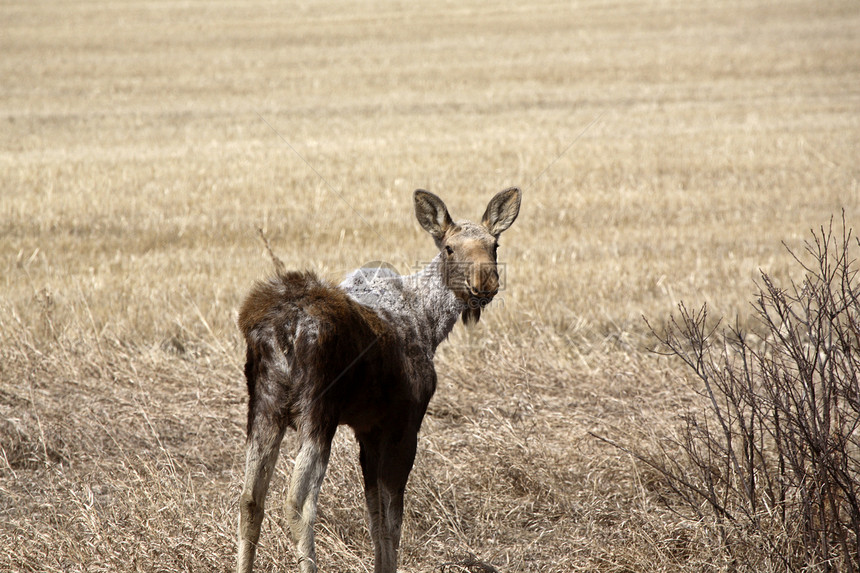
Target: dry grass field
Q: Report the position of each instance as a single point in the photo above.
(666, 151)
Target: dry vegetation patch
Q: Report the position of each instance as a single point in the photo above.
(144, 142)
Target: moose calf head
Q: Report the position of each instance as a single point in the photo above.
(470, 266)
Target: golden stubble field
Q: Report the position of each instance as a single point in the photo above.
(666, 152)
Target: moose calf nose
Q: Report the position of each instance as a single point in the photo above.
(487, 281)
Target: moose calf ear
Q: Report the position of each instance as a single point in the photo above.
(432, 214)
(502, 211)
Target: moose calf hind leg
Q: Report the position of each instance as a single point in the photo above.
(262, 453)
(305, 484)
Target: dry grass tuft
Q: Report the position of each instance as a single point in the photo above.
(468, 564)
(143, 143)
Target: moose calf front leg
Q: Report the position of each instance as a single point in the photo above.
(397, 454)
(305, 484)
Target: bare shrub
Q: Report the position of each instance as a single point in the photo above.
(771, 460)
